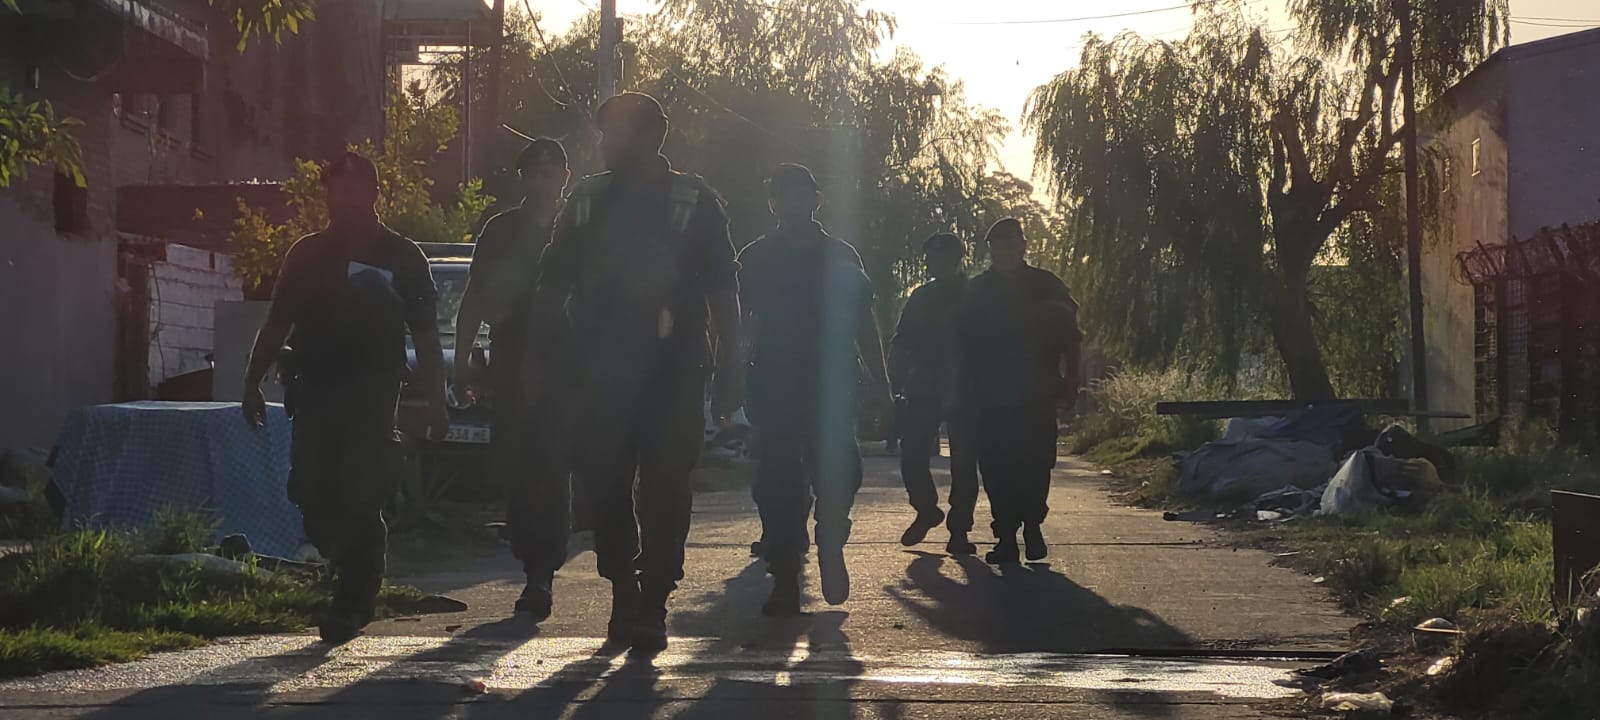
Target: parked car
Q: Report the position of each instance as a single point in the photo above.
(463, 449)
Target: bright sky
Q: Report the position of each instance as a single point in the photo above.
(1013, 46)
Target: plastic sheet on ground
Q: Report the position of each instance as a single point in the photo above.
(1260, 455)
(117, 465)
(1370, 481)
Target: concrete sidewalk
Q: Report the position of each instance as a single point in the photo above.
(923, 635)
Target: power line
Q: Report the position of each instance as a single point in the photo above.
(1111, 16)
(1568, 26)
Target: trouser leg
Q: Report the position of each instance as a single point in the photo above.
(836, 478)
(1036, 462)
(538, 477)
(919, 424)
(963, 476)
(607, 466)
(781, 492)
(669, 448)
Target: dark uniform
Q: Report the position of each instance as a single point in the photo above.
(636, 257)
(926, 339)
(807, 301)
(350, 301)
(1013, 331)
(530, 443)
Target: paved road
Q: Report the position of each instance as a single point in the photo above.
(1124, 622)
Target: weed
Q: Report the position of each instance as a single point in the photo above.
(175, 531)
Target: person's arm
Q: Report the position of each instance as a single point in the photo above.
(719, 281)
(470, 314)
(422, 301)
(901, 354)
(270, 339)
(869, 344)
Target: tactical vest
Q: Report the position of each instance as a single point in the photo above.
(618, 276)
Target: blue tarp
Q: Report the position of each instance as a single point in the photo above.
(118, 465)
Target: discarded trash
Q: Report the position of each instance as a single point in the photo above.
(451, 628)
(1268, 515)
(438, 604)
(1400, 601)
(1289, 554)
(1434, 633)
(899, 626)
(1370, 481)
(1441, 666)
(1169, 516)
(474, 686)
(1357, 662)
(205, 562)
(1357, 702)
(1319, 581)
(1107, 473)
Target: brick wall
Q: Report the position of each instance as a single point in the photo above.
(183, 290)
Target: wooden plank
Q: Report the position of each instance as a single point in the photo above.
(1575, 530)
(1223, 409)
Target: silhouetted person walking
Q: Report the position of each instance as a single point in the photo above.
(640, 255)
(529, 451)
(922, 368)
(808, 307)
(343, 301)
(1018, 338)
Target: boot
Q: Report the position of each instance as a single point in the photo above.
(960, 545)
(1005, 550)
(918, 531)
(1033, 539)
(785, 598)
(624, 612)
(536, 600)
(650, 629)
(835, 576)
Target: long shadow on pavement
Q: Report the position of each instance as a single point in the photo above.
(1025, 609)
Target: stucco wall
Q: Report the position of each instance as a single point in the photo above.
(1467, 207)
(1553, 117)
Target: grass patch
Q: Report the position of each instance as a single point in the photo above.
(1125, 425)
(719, 475)
(86, 598)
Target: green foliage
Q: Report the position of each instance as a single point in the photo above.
(31, 136)
(1123, 423)
(1208, 182)
(85, 598)
(256, 19)
(748, 85)
(417, 130)
(175, 531)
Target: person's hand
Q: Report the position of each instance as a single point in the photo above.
(254, 407)
(438, 418)
(466, 385)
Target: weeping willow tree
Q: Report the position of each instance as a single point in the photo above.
(1212, 180)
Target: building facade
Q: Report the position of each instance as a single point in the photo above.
(1512, 157)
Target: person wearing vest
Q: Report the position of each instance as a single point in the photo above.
(808, 307)
(1018, 338)
(529, 445)
(922, 368)
(343, 302)
(641, 261)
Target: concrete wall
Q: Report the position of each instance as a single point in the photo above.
(1468, 209)
(59, 325)
(1553, 116)
(183, 291)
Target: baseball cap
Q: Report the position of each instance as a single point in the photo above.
(542, 151)
(787, 175)
(945, 241)
(632, 109)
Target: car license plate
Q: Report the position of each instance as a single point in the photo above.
(467, 434)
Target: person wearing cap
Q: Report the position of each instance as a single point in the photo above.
(528, 442)
(343, 303)
(808, 308)
(922, 370)
(1018, 339)
(641, 262)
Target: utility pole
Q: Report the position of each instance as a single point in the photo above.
(606, 62)
(1408, 91)
(491, 111)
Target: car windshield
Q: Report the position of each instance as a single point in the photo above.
(451, 279)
